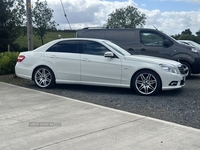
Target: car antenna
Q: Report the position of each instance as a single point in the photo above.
(155, 27)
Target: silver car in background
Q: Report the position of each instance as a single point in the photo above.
(190, 43)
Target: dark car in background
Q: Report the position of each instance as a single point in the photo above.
(148, 42)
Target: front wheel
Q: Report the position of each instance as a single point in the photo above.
(187, 68)
(44, 77)
(146, 82)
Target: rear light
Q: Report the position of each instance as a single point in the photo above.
(20, 58)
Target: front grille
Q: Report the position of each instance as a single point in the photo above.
(181, 69)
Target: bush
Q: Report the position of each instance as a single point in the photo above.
(7, 62)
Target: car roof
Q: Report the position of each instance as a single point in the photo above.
(49, 44)
(89, 39)
(100, 28)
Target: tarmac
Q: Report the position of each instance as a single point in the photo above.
(34, 120)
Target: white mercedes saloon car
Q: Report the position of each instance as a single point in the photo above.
(98, 62)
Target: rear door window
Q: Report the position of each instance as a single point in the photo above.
(68, 46)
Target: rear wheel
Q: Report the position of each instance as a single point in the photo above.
(146, 82)
(44, 77)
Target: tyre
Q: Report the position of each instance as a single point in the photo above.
(44, 77)
(187, 68)
(146, 82)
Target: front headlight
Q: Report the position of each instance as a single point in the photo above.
(169, 68)
(195, 50)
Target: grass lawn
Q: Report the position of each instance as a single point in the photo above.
(22, 40)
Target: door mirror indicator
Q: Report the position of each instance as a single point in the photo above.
(109, 54)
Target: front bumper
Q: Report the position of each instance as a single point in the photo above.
(175, 82)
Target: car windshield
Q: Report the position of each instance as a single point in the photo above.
(116, 48)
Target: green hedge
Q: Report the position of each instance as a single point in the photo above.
(7, 62)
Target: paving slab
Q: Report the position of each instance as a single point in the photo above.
(32, 120)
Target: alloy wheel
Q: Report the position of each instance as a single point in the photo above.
(43, 77)
(146, 83)
(186, 69)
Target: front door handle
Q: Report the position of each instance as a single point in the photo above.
(131, 49)
(143, 49)
(53, 56)
(86, 59)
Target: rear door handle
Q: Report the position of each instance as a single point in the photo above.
(86, 59)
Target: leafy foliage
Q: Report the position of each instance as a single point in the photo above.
(42, 19)
(12, 13)
(126, 17)
(187, 35)
(7, 62)
(187, 31)
(198, 33)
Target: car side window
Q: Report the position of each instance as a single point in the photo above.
(65, 47)
(151, 39)
(93, 48)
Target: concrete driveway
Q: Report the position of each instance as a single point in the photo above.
(31, 120)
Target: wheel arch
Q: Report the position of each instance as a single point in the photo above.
(184, 58)
(131, 83)
(32, 76)
(182, 61)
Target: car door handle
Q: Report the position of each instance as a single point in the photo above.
(130, 49)
(53, 56)
(143, 49)
(86, 59)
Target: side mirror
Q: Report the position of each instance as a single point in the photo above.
(109, 54)
(166, 43)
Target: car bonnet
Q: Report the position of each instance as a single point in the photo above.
(151, 59)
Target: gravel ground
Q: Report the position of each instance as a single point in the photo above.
(181, 106)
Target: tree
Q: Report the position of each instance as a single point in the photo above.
(188, 37)
(42, 19)
(187, 31)
(12, 14)
(176, 36)
(198, 33)
(126, 17)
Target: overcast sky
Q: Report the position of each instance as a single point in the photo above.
(170, 16)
